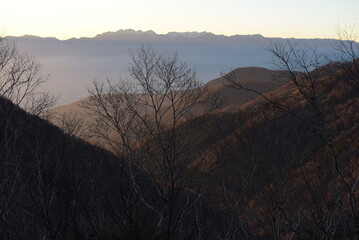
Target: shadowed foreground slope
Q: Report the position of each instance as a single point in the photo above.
(274, 169)
(285, 169)
(55, 186)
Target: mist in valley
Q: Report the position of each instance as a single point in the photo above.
(75, 63)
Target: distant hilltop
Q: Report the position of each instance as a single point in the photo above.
(130, 33)
(193, 34)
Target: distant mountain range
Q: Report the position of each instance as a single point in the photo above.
(139, 35)
(74, 63)
(135, 34)
(151, 35)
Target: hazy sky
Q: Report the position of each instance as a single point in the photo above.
(272, 18)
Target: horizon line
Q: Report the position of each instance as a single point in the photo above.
(130, 31)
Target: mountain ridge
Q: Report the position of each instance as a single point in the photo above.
(125, 33)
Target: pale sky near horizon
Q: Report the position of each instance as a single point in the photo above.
(272, 18)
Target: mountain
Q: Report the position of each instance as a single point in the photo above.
(170, 36)
(261, 79)
(281, 165)
(73, 64)
(282, 162)
(124, 34)
(264, 80)
(46, 175)
(54, 184)
(250, 39)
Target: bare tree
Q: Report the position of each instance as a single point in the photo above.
(144, 121)
(305, 68)
(20, 79)
(348, 50)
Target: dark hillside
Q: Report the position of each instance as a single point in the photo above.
(284, 168)
(279, 167)
(54, 186)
